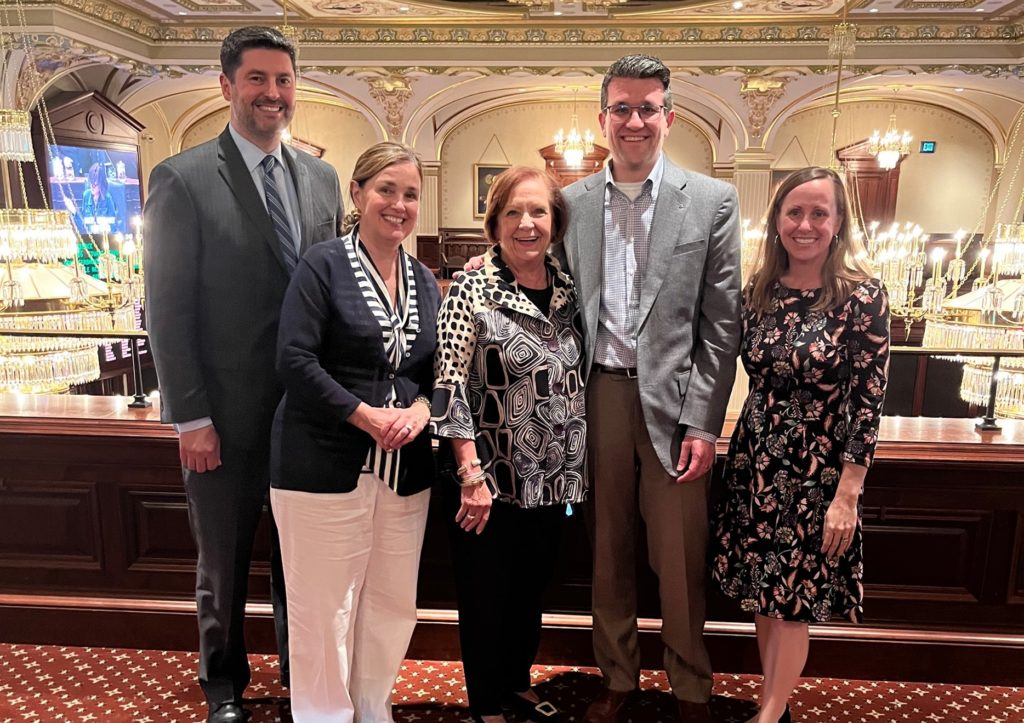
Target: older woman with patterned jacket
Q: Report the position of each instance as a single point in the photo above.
(508, 405)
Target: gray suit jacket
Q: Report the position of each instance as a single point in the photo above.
(215, 279)
(689, 331)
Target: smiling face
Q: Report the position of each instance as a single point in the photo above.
(635, 143)
(388, 204)
(262, 96)
(524, 226)
(807, 220)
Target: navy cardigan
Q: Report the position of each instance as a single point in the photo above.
(330, 357)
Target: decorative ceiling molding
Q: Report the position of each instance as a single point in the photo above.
(641, 35)
(944, 4)
(392, 92)
(683, 28)
(56, 54)
(219, 6)
(378, 9)
(760, 94)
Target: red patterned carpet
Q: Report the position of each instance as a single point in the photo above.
(46, 683)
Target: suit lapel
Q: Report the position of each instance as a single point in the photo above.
(669, 215)
(232, 169)
(304, 191)
(587, 254)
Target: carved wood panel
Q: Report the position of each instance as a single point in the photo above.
(156, 531)
(950, 547)
(49, 524)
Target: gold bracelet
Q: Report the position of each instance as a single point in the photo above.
(465, 467)
(422, 399)
(474, 481)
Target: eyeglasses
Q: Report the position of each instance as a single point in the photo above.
(622, 111)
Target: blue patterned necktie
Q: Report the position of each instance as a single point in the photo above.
(278, 215)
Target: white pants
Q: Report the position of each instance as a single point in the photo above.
(350, 567)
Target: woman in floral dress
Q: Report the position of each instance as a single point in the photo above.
(787, 533)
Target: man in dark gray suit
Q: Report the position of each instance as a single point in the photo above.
(225, 225)
(655, 254)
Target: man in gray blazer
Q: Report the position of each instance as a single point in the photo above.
(655, 253)
(225, 225)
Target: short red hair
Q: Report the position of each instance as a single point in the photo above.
(501, 191)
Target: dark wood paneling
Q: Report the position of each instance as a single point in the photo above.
(428, 251)
(157, 535)
(92, 509)
(1016, 586)
(49, 524)
(950, 545)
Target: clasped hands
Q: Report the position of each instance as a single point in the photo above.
(391, 427)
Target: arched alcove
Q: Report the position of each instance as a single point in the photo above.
(964, 153)
(514, 134)
(343, 133)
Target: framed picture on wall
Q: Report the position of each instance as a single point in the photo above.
(483, 177)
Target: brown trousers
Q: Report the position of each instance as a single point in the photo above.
(630, 483)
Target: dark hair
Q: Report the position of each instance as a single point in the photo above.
(253, 36)
(638, 66)
(98, 177)
(501, 191)
(845, 266)
(371, 162)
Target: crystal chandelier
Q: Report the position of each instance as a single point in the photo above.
(50, 312)
(841, 45)
(1008, 248)
(989, 317)
(843, 41)
(898, 255)
(975, 387)
(15, 135)
(890, 147)
(574, 146)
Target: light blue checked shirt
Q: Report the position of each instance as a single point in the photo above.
(627, 243)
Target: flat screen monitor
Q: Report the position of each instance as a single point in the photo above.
(98, 186)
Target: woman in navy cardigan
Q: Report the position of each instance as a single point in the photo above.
(350, 465)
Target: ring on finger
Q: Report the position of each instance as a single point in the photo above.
(470, 517)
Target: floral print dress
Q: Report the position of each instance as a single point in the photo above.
(817, 380)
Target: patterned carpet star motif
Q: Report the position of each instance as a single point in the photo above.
(79, 685)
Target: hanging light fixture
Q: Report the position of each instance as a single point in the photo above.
(890, 147)
(574, 146)
(50, 312)
(990, 316)
(15, 135)
(841, 45)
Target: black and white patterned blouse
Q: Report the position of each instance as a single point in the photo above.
(510, 377)
(398, 327)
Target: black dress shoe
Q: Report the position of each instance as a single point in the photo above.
(228, 713)
(540, 711)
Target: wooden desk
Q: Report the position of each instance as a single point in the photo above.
(95, 549)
